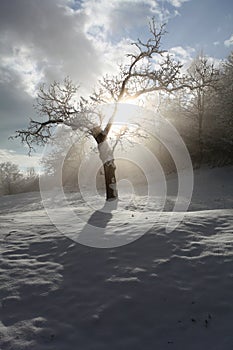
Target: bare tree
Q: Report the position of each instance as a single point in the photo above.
(148, 69)
(220, 112)
(222, 99)
(10, 177)
(202, 76)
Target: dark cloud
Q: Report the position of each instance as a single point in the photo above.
(39, 41)
(16, 106)
(53, 35)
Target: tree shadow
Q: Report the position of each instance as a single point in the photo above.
(93, 233)
(101, 217)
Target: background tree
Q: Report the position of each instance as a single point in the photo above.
(221, 114)
(203, 77)
(10, 177)
(222, 99)
(191, 108)
(12, 180)
(205, 111)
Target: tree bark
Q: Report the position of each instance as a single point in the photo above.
(110, 180)
(106, 156)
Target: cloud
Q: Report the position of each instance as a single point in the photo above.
(229, 42)
(118, 17)
(22, 160)
(177, 3)
(112, 25)
(47, 41)
(16, 104)
(40, 41)
(184, 55)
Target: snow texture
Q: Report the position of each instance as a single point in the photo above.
(164, 291)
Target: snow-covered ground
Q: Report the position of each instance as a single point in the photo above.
(163, 291)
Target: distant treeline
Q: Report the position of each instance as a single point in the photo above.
(12, 180)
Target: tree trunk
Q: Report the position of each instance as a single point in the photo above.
(106, 155)
(110, 180)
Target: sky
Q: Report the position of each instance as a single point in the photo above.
(42, 41)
